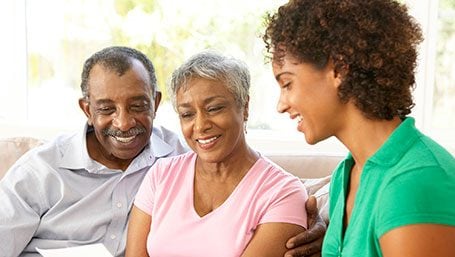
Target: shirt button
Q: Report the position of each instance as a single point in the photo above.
(113, 237)
(119, 205)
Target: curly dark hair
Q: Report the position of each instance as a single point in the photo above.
(117, 59)
(371, 43)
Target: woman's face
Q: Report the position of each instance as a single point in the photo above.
(309, 95)
(211, 120)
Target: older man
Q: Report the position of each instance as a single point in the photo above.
(78, 189)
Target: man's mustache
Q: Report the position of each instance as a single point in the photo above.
(118, 133)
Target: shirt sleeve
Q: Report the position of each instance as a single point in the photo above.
(287, 204)
(144, 199)
(21, 204)
(419, 196)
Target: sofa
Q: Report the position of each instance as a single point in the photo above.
(314, 170)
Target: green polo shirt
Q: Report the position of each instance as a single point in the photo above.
(409, 180)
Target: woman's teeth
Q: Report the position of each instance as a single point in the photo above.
(206, 141)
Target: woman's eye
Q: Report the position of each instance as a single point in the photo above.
(185, 115)
(215, 108)
(286, 85)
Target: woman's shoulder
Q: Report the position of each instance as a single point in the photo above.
(176, 159)
(168, 166)
(271, 173)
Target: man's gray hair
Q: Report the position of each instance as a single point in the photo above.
(211, 65)
(118, 59)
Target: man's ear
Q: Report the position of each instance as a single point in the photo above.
(157, 102)
(85, 107)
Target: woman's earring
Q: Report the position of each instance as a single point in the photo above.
(244, 127)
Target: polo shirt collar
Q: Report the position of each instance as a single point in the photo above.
(397, 144)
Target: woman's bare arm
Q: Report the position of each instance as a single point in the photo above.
(419, 240)
(269, 240)
(309, 242)
(138, 230)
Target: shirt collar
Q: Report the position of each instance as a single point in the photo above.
(400, 140)
(75, 154)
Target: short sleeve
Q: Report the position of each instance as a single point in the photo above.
(423, 195)
(287, 204)
(144, 199)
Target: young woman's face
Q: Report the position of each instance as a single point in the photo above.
(309, 95)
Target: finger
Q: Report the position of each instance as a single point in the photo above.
(316, 226)
(311, 206)
(312, 234)
(311, 249)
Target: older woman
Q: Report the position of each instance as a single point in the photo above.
(223, 198)
(345, 68)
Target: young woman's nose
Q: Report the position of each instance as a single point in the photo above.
(281, 106)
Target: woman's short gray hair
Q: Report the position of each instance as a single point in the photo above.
(213, 66)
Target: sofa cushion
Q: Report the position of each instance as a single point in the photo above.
(307, 166)
(303, 166)
(314, 170)
(13, 148)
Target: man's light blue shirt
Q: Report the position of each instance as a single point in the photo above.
(56, 196)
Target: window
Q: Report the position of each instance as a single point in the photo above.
(435, 91)
(443, 103)
(49, 41)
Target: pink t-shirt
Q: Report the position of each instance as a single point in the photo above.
(265, 194)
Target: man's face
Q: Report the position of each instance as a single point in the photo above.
(121, 110)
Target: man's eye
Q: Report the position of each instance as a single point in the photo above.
(140, 107)
(105, 110)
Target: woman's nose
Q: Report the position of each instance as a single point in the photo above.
(281, 106)
(201, 123)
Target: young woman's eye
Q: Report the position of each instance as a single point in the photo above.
(286, 85)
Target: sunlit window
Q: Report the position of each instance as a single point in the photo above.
(444, 80)
(49, 41)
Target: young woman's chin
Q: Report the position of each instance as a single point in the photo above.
(312, 138)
